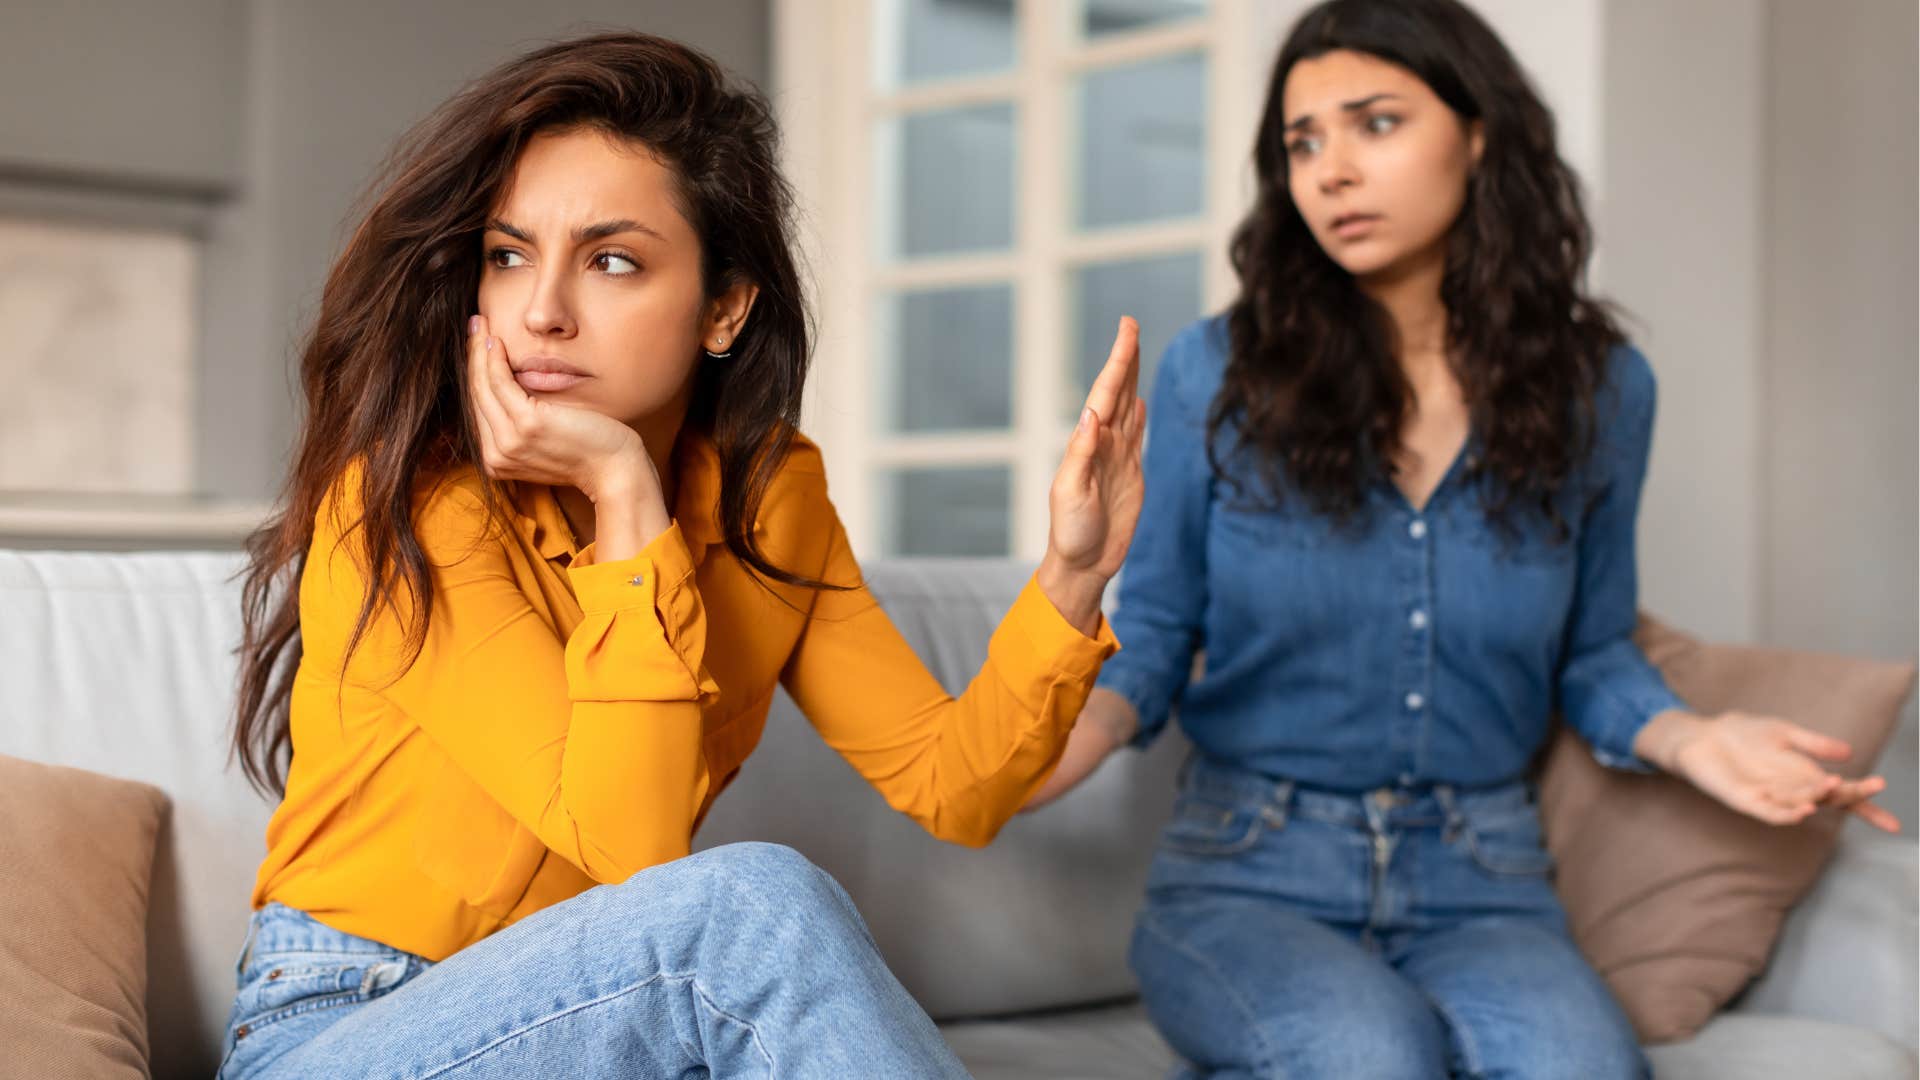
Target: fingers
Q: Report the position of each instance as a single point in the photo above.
(1814, 744)
(1076, 467)
(487, 414)
(1877, 817)
(1114, 390)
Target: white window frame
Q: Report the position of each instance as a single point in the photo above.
(829, 105)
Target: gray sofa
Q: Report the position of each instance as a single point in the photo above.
(123, 664)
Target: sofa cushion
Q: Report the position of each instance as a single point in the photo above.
(123, 664)
(1675, 898)
(78, 852)
(1119, 1043)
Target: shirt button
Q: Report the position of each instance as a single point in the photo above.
(1415, 702)
(1417, 530)
(1417, 620)
(637, 579)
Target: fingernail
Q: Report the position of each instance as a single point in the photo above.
(1086, 419)
(473, 324)
(489, 344)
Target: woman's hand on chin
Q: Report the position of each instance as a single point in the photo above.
(1095, 500)
(525, 437)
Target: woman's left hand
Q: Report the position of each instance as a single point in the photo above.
(1095, 500)
(1761, 766)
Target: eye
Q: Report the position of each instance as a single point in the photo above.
(614, 264)
(499, 258)
(1381, 123)
(1302, 147)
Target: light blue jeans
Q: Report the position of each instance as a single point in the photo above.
(1393, 934)
(740, 961)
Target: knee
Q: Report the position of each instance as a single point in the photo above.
(1589, 1054)
(1390, 1045)
(768, 879)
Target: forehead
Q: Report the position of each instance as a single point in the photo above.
(583, 176)
(1319, 86)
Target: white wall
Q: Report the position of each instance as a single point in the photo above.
(1837, 432)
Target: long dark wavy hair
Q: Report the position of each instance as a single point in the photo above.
(1312, 385)
(382, 368)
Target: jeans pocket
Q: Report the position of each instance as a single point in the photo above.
(1205, 827)
(1509, 845)
(302, 985)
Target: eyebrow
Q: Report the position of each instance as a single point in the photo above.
(1351, 106)
(584, 234)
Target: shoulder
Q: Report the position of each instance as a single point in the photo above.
(1194, 363)
(1630, 381)
(448, 511)
(795, 520)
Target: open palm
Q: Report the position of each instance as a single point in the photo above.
(1095, 499)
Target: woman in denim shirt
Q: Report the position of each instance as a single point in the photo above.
(1391, 496)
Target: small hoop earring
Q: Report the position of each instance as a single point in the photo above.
(722, 342)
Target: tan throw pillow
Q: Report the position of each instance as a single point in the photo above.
(1675, 898)
(76, 857)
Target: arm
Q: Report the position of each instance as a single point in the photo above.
(1607, 688)
(1761, 766)
(592, 743)
(1163, 592)
(961, 767)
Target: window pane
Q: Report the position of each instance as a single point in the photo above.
(946, 359)
(947, 177)
(950, 511)
(1101, 18)
(1143, 142)
(1162, 293)
(924, 40)
(98, 365)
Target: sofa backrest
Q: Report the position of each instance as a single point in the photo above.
(124, 664)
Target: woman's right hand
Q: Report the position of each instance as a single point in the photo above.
(523, 437)
(1106, 723)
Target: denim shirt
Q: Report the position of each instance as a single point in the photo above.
(1408, 647)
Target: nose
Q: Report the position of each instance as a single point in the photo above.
(550, 309)
(1336, 169)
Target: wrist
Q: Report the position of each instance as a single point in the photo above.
(1075, 594)
(1666, 736)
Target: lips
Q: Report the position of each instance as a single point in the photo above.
(547, 374)
(1354, 226)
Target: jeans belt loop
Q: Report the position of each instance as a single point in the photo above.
(1282, 802)
(1456, 821)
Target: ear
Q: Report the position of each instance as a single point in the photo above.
(726, 316)
(1476, 142)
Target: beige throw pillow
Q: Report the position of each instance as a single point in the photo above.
(1675, 898)
(76, 858)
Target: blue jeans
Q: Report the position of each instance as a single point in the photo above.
(741, 961)
(1299, 933)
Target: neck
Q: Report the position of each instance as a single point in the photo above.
(1411, 296)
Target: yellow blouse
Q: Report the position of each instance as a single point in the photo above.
(568, 723)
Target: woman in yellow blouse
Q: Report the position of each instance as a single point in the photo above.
(555, 540)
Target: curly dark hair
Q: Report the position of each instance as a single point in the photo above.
(382, 367)
(1312, 385)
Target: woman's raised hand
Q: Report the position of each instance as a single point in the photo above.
(1095, 500)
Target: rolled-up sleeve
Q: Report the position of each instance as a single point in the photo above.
(1607, 688)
